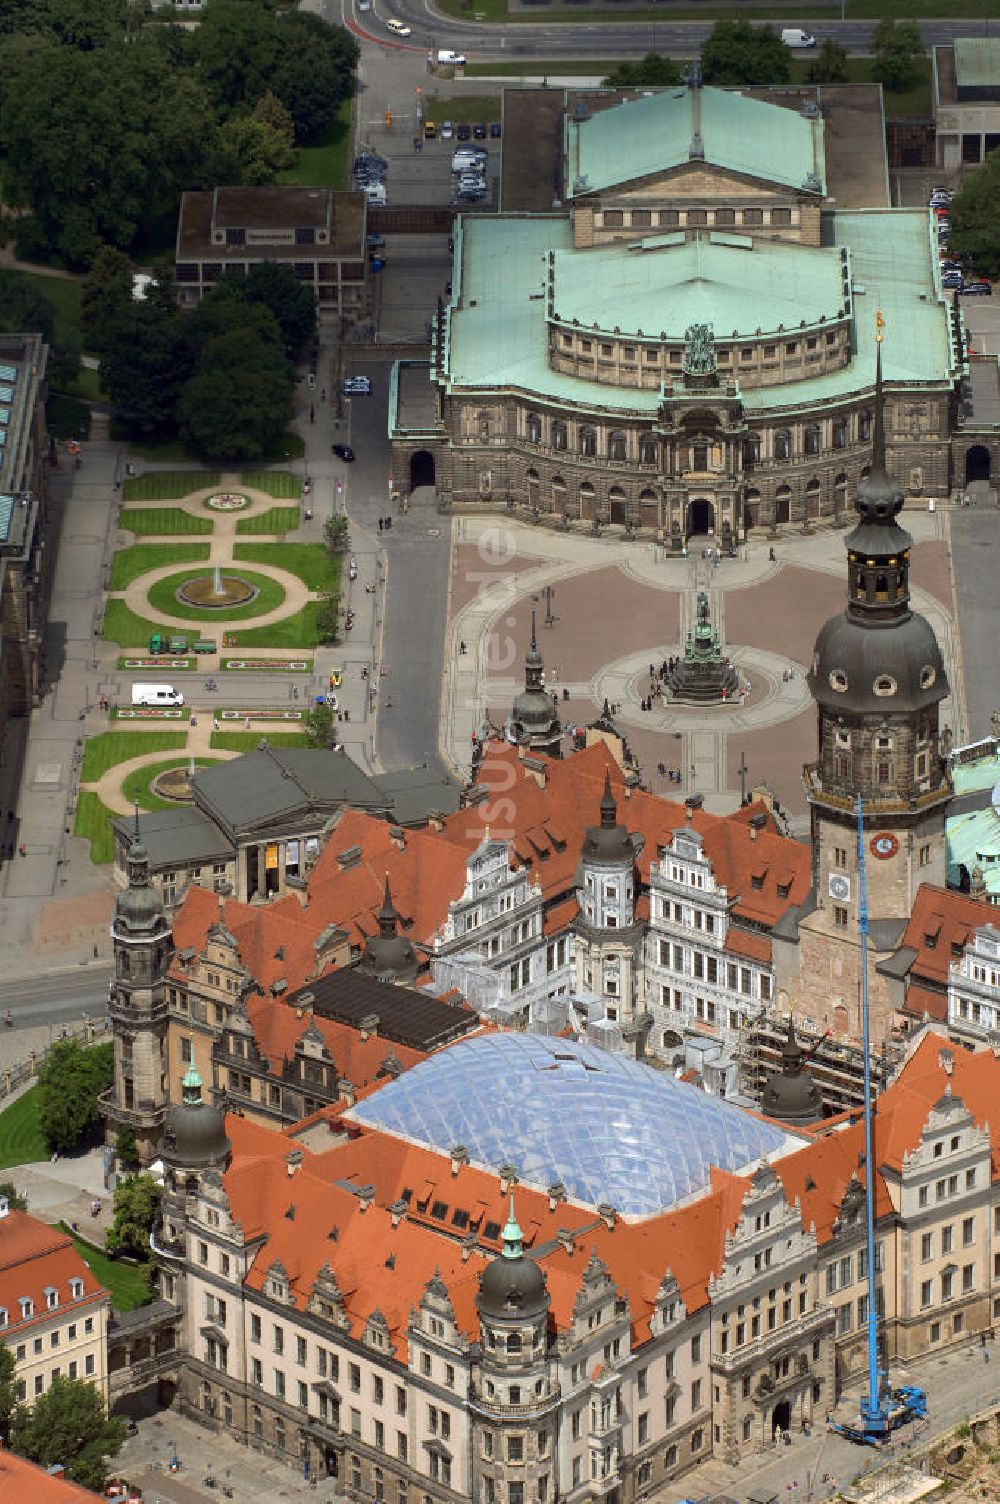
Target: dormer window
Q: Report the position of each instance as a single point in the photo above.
(51, 1298)
(76, 1288)
(3, 1316)
(885, 684)
(27, 1307)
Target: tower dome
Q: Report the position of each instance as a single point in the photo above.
(389, 956)
(512, 1286)
(534, 720)
(608, 844)
(878, 656)
(195, 1133)
(139, 908)
(790, 1094)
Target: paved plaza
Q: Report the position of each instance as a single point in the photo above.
(619, 608)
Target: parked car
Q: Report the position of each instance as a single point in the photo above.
(479, 131)
(951, 280)
(430, 130)
(447, 130)
(357, 386)
(977, 289)
(343, 452)
(463, 131)
(376, 239)
(495, 130)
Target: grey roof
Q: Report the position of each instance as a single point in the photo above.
(265, 785)
(183, 836)
(885, 934)
(898, 964)
(414, 793)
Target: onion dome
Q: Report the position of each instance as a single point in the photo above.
(512, 1286)
(194, 1135)
(608, 844)
(791, 1095)
(389, 955)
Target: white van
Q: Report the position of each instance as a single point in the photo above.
(453, 59)
(794, 36)
(468, 156)
(156, 694)
(398, 28)
(375, 194)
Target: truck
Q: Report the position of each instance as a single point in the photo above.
(156, 694)
(448, 59)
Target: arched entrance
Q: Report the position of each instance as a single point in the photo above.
(616, 500)
(783, 504)
(701, 517)
(421, 468)
(977, 463)
(781, 1417)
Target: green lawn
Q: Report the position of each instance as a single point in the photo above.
(137, 784)
(93, 824)
(274, 520)
(163, 597)
(64, 295)
(111, 747)
(164, 485)
(298, 631)
(129, 563)
(22, 1141)
(122, 625)
(586, 68)
(126, 1281)
(856, 10)
(311, 562)
(249, 741)
(162, 521)
(470, 107)
(325, 164)
(86, 385)
(281, 484)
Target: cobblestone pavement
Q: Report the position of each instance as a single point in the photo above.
(617, 607)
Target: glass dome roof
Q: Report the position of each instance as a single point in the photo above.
(611, 1129)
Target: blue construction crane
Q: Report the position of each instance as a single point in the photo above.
(883, 1409)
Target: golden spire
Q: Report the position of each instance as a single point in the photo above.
(879, 326)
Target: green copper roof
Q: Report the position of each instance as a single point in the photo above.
(707, 280)
(977, 62)
(497, 334)
(669, 128)
(513, 1237)
(975, 777)
(973, 840)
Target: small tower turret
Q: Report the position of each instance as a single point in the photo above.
(389, 955)
(534, 719)
(609, 940)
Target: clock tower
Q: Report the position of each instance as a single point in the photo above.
(878, 680)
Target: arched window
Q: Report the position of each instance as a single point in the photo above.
(586, 499)
(864, 425)
(558, 493)
(812, 438)
(483, 424)
(513, 1342)
(617, 445)
(751, 450)
(839, 433)
(649, 450)
(588, 442)
(782, 444)
(559, 435)
(534, 429)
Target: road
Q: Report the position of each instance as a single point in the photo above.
(58, 998)
(975, 544)
(578, 39)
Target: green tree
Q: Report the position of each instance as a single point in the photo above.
(69, 1084)
(23, 309)
(253, 152)
(106, 295)
(136, 1204)
(335, 534)
(974, 216)
(738, 53)
(829, 66)
(316, 72)
(8, 1390)
(896, 47)
(239, 402)
(275, 285)
(148, 357)
(68, 1424)
(651, 72)
(126, 1146)
(328, 617)
(320, 726)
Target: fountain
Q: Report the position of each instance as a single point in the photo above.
(703, 676)
(217, 581)
(216, 591)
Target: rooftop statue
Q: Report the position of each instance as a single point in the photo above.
(699, 350)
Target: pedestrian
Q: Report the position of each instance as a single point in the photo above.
(771, 556)
(380, 524)
(23, 849)
(96, 951)
(312, 413)
(462, 649)
(388, 522)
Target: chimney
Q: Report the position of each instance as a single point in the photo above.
(366, 1195)
(606, 1212)
(459, 1157)
(508, 1177)
(757, 823)
(369, 1025)
(398, 837)
(293, 1159)
(946, 1061)
(566, 1238)
(434, 820)
(345, 1089)
(397, 1212)
(557, 1193)
(468, 1244)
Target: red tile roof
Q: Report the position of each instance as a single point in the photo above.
(34, 1258)
(21, 1481)
(940, 921)
(278, 1028)
(749, 943)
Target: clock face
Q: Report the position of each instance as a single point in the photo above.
(883, 845)
(840, 887)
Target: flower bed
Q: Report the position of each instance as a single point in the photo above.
(151, 713)
(158, 662)
(277, 665)
(267, 713)
(227, 501)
